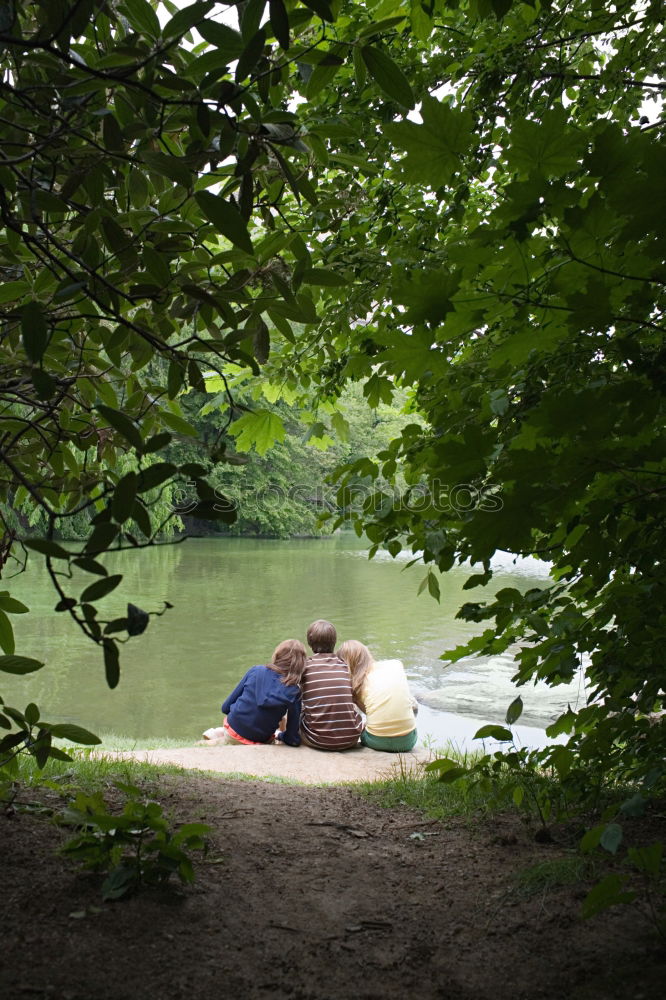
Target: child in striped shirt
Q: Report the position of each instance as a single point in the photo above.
(329, 717)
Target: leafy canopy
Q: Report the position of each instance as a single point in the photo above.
(464, 197)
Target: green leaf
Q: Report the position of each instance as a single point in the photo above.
(434, 148)
(156, 442)
(111, 663)
(40, 749)
(19, 665)
(67, 731)
(634, 806)
(611, 838)
(279, 22)
(320, 7)
(187, 18)
(359, 72)
(261, 343)
(514, 711)
(452, 774)
(6, 634)
(378, 389)
(250, 56)
(115, 237)
(121, 881)
(45, 386)
(141, 517)
(12, 740)
(11, 605)
(377, 27)
(142, 17)
(100, 588)
(564, 724)
(492, 732)
(103, 536)
(121, 423)
(178, 423)
(323, 75)
(250, 16)
(123, 497)
(226, 218)
(388, 75)
(172, 167)
(260, 429)
(427, 292)
(34, 331)
(89, 565)
(46, 547)
(324, 277)
(154, 476)
(157, 265)
(549, 145)
(433, 586)
(647, 859)
(609, 892)
(10, 291)
(441, 764)
(66, 604)
(501, 7)
(223, 37)
(137, 620)
(113, 136)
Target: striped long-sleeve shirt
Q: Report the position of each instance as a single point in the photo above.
(329, 719)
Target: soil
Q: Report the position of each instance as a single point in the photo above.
(315, 893)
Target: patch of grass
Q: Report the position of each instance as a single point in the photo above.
(422, 792)
(90, 770)
(547, 875)
(271, 779)
(418, 789)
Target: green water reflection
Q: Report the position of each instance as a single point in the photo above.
(234, 600)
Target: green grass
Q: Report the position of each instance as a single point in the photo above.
(91, 770)
(424, 793)
(421, 790)
(547, 875)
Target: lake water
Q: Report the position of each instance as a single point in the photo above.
(234, 600)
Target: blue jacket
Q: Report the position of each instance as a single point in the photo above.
(256, 705)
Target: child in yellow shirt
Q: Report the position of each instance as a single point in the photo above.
(380, 690)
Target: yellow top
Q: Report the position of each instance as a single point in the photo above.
(386, 700)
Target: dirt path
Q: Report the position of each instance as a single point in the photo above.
(303, 764)
(314, 894)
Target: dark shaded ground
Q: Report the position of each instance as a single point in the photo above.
(319, 896)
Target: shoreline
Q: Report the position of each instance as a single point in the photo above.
(301, 764)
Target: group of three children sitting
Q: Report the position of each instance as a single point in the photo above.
(316, 699)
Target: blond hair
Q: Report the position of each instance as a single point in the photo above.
(359, 660)
(288, 660)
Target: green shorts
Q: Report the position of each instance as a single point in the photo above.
(390, 744)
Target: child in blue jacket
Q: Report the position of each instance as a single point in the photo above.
(257, 704)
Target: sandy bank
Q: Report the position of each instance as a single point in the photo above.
(312, 767)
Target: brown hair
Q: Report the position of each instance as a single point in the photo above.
(322, 636)
(359, 660)
(289, 661)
